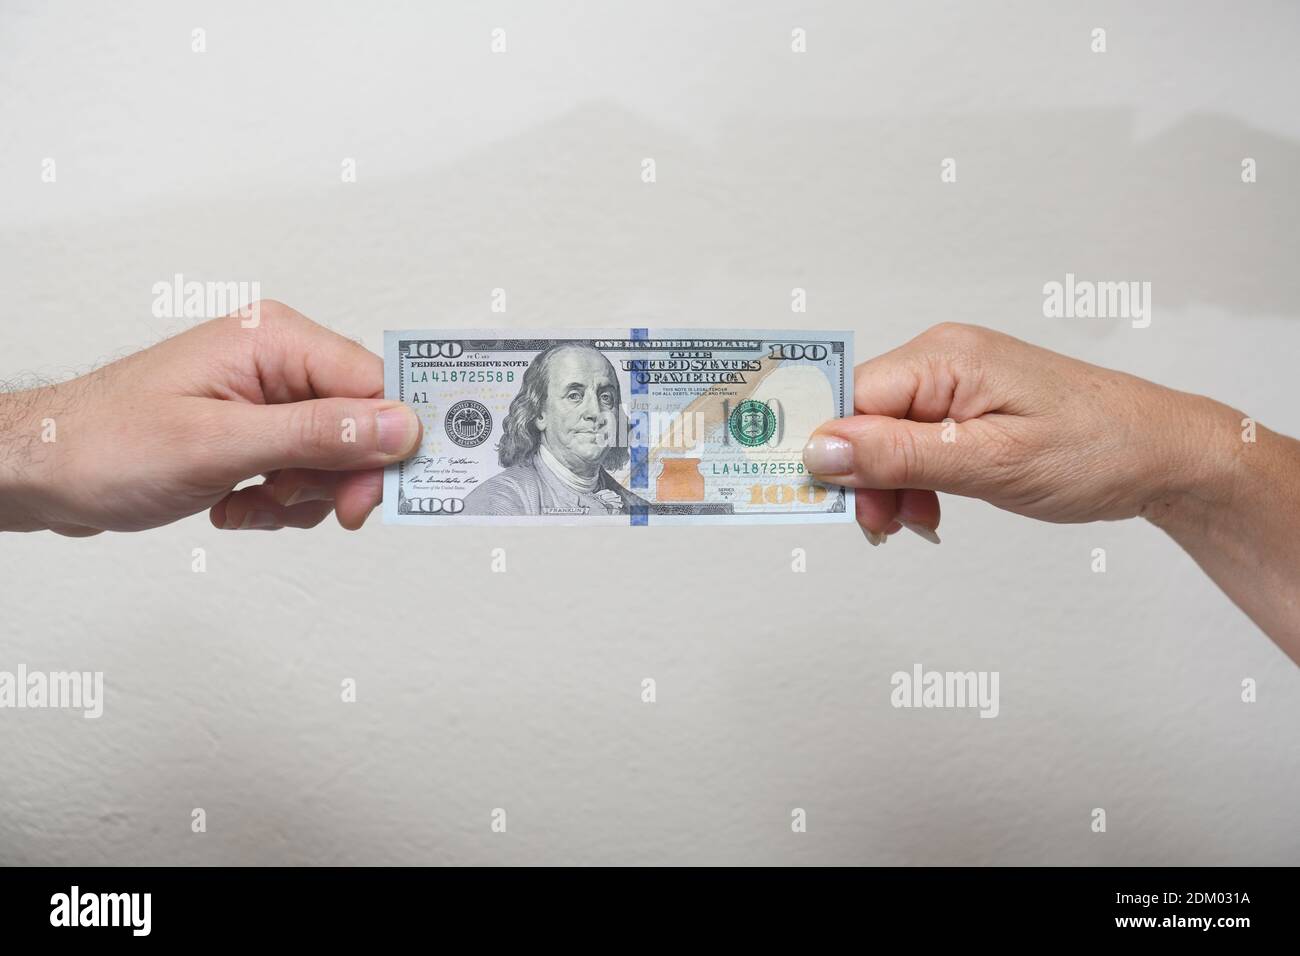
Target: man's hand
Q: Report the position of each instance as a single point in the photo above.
(170, 431)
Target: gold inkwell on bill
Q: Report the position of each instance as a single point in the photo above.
(680, 480)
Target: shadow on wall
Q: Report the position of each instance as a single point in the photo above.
(561, 211)
(1035, 195)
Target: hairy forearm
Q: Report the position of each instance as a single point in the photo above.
(28, 434)
(1241, 520)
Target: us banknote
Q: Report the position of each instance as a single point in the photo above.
(615, 426)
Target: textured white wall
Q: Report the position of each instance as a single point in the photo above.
(477, 690)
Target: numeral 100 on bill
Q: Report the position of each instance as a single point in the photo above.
(808, 494)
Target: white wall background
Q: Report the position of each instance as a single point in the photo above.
(1119, 690)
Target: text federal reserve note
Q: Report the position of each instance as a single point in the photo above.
(615, 426)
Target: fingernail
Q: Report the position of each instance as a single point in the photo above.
(256, 520)
(927, 533)
(876, 539)
(824, 455)
(397, 427)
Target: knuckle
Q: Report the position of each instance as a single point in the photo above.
(956, 346)
(272, 310)
(280, 320)
(957, 335)
(903, 463)
(315, 428)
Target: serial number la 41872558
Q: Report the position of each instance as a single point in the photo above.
(421, 376)
(758, 468)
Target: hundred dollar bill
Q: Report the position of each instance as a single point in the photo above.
(615, 426)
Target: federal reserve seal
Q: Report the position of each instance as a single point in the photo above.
(752, 423)
(469, 423)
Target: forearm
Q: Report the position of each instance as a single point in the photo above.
(28, 436)
(1240, 521)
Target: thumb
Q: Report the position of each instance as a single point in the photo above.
(876, 451)
(333, 434)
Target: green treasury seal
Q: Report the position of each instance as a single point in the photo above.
(752, 423)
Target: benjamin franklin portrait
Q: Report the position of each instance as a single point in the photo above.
(560, 441)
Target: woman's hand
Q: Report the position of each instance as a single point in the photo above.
(977, 413)
(973, 412)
